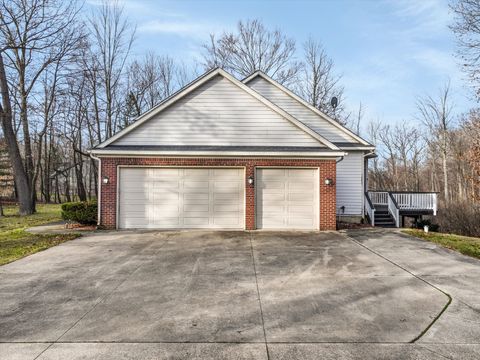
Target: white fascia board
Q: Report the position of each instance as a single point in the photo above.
(106, 153)
(304, 103)
(364, 148)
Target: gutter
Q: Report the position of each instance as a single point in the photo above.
(370, 155)
(99, 198)
(143, 153)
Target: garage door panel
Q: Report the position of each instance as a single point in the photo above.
(196, 221)
(195, 202)
(195, 196)
(166, 221)
(219, 196)
(274, 184)
(273, 174)
(195, 207)
(197, 173)
(226, 214)
(273, 222)
(287, 198)
(181, 198)
(164, 184)
(301, 223)
(225, 207)
(299, 197)
(299, 210)
(227, 221)
(194, 186)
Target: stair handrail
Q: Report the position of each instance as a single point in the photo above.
(394, 209)
(370, 208)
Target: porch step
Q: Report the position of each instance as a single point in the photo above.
(384, 219)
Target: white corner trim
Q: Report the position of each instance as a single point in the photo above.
(200, 81)
(306, 104)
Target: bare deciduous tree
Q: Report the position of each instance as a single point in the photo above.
(466, 27)
(35, 35)
(436, 115)
(317, 81)
(253, 47)
(111, 42)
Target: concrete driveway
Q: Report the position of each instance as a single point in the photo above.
(238, 295)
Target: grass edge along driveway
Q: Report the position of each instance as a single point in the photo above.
(16, 242)
(465, 245)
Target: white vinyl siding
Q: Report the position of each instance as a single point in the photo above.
(299, 111)
(350, 184)
(218, 113)
(181, 198)
(287, 199)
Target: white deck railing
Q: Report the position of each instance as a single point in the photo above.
(394, 210)
(379, 197)
(370, 208)
(416, 201)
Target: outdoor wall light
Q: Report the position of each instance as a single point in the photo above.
(250, 180)
(105, 180)
(328, 181)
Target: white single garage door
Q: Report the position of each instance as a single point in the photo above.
(287, 199)
(181, 198)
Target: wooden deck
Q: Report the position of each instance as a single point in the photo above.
(391, 206)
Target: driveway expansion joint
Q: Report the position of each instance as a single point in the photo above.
(449, 297)
(258, 295)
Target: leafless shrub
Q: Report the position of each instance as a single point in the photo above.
(462, 218)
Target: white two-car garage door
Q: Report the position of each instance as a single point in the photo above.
(181, 198)
(287, 199)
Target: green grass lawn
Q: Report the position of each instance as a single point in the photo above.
(16, 243)
(466, 245)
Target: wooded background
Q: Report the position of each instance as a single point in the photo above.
(68, 81)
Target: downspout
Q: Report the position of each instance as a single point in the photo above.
(337, 216)
(99, 198)
(365, 178)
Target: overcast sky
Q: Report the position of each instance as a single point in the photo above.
(388, 52)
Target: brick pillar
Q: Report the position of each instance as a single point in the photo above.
(250, 198)
(328, 197)
(109, 194)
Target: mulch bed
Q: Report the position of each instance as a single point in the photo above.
(80, 227)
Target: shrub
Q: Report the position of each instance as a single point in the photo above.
(421, 223)
(462, 218)
(83, 212)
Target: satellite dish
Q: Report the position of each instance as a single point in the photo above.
(334, 102)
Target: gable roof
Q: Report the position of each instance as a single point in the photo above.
(199, 82)
(360, 141)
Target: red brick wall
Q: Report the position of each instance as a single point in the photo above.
(327, 193)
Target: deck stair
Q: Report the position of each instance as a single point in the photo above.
(388, 209)
(384, 219)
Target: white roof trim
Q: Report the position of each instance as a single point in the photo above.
(303, 102)
(108, 152)
(200, 81)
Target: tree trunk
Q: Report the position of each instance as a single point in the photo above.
(24, 190)
(67, 187)
(445, 176)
